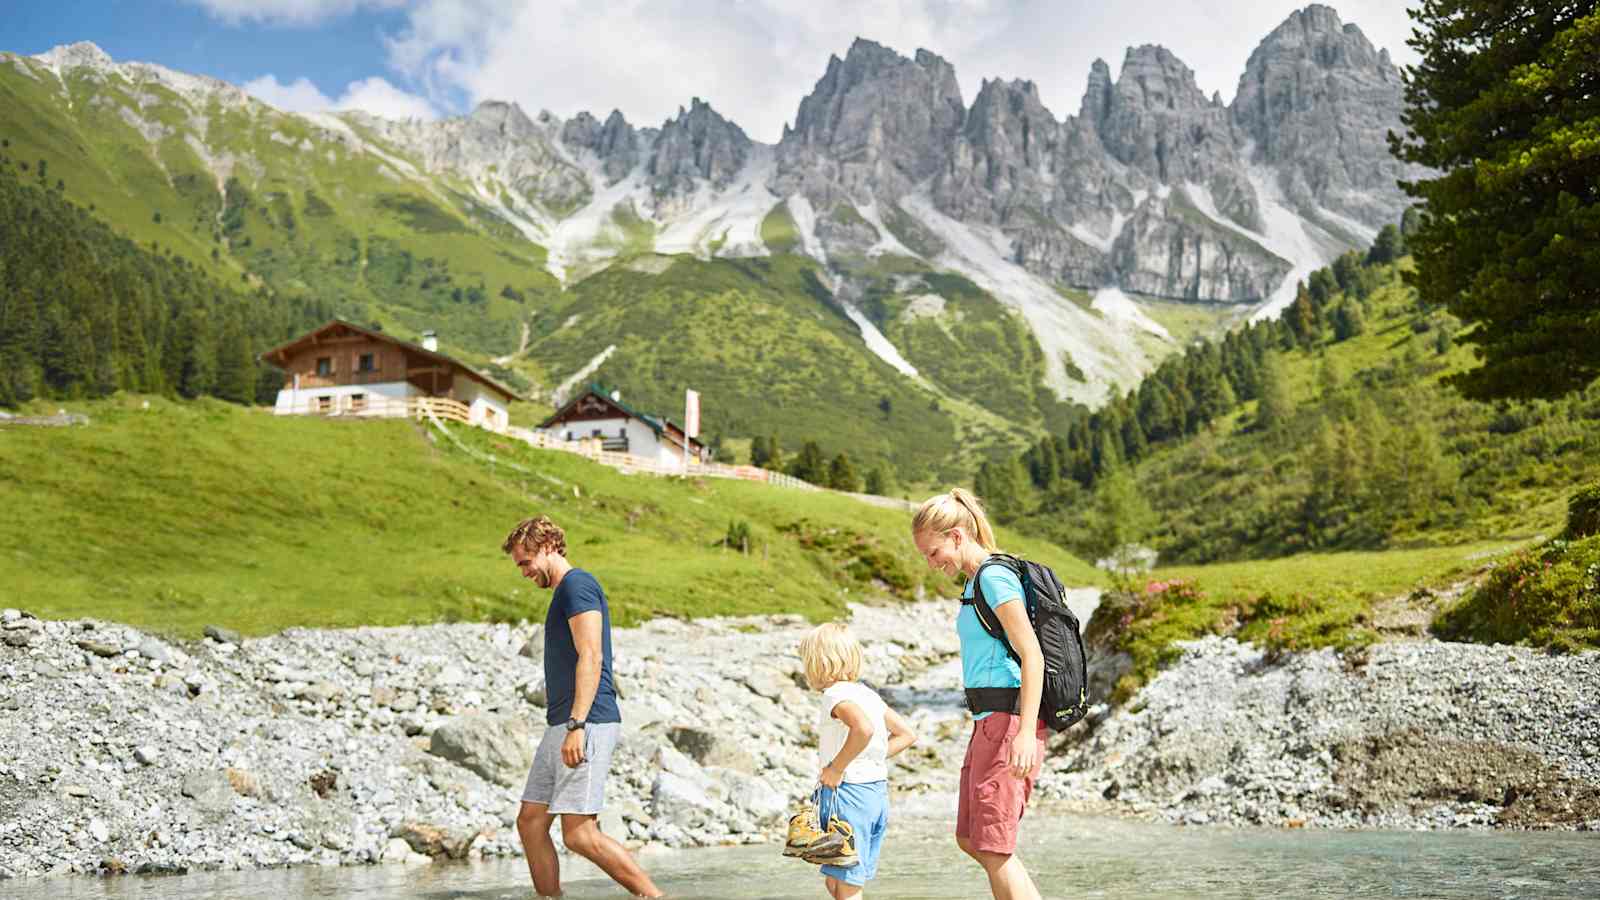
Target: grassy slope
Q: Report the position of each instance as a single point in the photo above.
(340, 226)
(322, 221)
(1514, 467)
(1219, 493)
(193, 513)
(764, 346)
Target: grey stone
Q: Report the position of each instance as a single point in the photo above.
(223, 635)
(105, 649)
(710, 748)
(768, 683)
(210, 790)
(678, 800)
(150, 648)
(753, 795)
(499, 748)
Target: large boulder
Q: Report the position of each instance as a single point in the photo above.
(212, 791)
(681, 801)
(500, 748)
(709, 748)
(752, 795)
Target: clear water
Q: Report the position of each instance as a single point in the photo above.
(1070, 857)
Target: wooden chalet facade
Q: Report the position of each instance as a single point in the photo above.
(596, 413)
(347, 370)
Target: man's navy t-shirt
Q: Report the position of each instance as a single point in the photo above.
(578, 592)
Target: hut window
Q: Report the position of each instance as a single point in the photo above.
(367, 363)
(324, 365)
(324, 403)
(358, 401)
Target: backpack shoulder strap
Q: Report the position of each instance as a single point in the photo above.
(987, 617)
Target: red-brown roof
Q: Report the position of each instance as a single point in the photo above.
(282, 350)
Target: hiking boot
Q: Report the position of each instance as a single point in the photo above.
(804, 833)
(837, 848)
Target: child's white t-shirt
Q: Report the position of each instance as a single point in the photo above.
(871, 764)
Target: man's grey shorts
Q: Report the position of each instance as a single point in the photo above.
(579, 791)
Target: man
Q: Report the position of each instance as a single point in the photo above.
(569, 770)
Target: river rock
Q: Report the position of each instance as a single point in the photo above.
(211, 791)
(751, 794)
(680, 801)
(432, 840)
(497, 747)
(711, 749)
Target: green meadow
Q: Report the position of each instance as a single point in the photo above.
(185, 514)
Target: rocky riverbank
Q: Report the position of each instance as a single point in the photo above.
(1408, 734)
(120, 751)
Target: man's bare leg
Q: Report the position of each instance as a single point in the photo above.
(533, 825)
(583, 836)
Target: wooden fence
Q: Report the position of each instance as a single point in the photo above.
(590, 448)
(443, 409)
(378, 406)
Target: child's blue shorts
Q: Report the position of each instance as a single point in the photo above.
(866, 808)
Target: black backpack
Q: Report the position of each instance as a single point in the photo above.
(1065, 698)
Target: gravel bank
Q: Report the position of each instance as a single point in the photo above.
(1414, 734)
(123, 752)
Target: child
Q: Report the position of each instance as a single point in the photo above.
(858, 733)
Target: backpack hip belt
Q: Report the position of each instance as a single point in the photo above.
(994, 699)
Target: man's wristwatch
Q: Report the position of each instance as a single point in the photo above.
(574, 724)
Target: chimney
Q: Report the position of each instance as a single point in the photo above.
(430, 341)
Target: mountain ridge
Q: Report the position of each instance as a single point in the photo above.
(885, 179)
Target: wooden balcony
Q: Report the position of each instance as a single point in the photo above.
(377, 406)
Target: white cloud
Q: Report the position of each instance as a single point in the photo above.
(288, 12)
(299, 95)
(755, 59)
(373, 95)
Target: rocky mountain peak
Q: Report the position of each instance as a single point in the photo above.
(1317, 100)
(77, 55)
(698, 144)
(1007, 116)
(507, 118)
(614, 142)
(1097, 96)
(875, 120)
(1158, 121)
(1317, 31)
(1153, 78)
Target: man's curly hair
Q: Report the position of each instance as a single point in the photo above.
(538, 533)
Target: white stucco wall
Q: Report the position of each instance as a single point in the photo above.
(642, 439)
(486, 408)
(304, 400)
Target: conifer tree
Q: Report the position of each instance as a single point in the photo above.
(842, 474)
(1502, 112)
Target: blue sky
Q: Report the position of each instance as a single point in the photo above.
(189, 38)
(753, 60)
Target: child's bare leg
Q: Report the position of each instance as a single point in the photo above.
(832, 884)
(847, 891)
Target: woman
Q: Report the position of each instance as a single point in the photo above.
(1003, 755)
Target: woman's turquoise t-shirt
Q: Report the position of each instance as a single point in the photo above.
(984, 661)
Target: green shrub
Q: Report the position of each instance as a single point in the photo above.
(1547, 596)
(738, 536)
(1583, 512)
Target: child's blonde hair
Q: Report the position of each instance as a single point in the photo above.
(830, 654)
